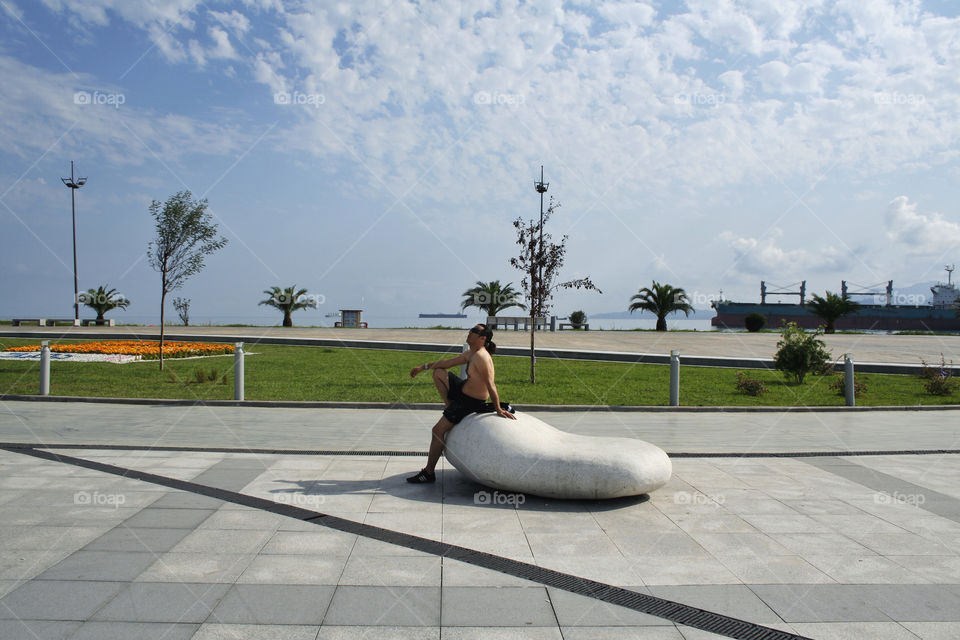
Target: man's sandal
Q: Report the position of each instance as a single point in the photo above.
(423, 477)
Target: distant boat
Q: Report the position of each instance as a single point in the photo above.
(443, 315)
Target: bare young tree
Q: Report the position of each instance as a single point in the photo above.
(182, 305)
(540, 261)
(185, 234)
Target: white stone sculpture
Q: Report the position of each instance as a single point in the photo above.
(527, 455)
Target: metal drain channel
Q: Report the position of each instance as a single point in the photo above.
(673, 611)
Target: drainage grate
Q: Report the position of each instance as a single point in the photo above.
(659, 607)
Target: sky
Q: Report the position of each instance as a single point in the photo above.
(377, 153)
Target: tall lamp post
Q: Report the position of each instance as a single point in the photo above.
(536, 277)
(74, 184)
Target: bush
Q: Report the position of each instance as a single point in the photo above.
(750, 386)
(800, 353)
(938, 381)
(839, 385)
(578, 318)
(754, 322)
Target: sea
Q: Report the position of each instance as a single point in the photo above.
(404, 321)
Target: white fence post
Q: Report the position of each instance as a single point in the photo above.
(45, 368)
(674, 378)
(848, 384)
(238, 372)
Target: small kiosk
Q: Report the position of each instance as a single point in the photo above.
(350, 318)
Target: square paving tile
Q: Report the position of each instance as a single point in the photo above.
(163, 602)
(196, 567)
(820, 603)
(140, 630)
(217, 631)
(266, 569)
(273, 604)
(57, 600)
(100, 565)
(169, 518)
(496, 607)
(37, 629)
(399, 606)
(392, 571)
(123, 538)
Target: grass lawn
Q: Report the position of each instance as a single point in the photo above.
(323, 373)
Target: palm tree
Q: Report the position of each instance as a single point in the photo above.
(831, 308)
(287, 301)
(491, 297)
(102, 300)
(661, 300)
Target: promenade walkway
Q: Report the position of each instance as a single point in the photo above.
(224, 522)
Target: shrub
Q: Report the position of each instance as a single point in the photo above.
(578, 318)
(839, 385)
(750, 386)
(800, 353)
(754, 322)
(938, 381)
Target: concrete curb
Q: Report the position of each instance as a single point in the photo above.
(429, 406)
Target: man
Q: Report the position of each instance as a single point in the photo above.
(461, 397)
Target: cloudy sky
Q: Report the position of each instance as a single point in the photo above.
(376, 153)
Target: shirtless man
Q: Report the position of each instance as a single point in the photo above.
(461, 397)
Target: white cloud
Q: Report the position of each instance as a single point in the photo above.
(922, 235)
(762, 256)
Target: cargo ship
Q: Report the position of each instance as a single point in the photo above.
(941, 313)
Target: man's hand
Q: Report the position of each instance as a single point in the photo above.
(415, 371)
(505, 414)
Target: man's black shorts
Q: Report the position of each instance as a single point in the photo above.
(461, 405)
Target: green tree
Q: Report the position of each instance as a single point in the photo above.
(491, 297)
(800, 353)
(661, 300)
(831, 308)
(289, 300)
(103, 299)
(540, 261)
(186, 234)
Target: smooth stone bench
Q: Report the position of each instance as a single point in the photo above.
(527, 455)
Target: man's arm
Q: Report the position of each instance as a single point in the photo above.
(440, 364)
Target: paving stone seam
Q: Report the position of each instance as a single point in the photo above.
(673, 611)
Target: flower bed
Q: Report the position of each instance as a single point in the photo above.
(146, 350)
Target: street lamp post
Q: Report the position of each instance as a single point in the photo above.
(536, 277)
(74, 184)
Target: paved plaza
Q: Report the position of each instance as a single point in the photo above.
(237, 534)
